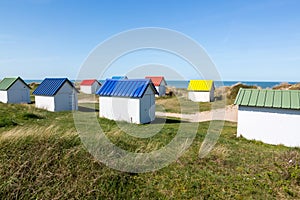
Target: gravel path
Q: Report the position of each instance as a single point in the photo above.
(229, 113)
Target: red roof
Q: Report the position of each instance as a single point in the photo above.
(156, 80)
(88, 82)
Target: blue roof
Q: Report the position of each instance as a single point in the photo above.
(134, 88)
(119, 77)
(50, 86)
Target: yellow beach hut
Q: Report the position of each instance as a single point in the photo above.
(201, 90)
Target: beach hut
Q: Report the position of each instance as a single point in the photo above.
(119, 77)
(130, 100)
(159, 83)
(56, 94)
(14, 90)
(201, 90)
(89, 86)
(270, 116)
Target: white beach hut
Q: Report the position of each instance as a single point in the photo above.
(90, 86)
(130, 100)
(270, 116)
(14, 90)
(56, 94)
(201, 90)
(159, 83)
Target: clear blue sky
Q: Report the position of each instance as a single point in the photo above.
(247, 40)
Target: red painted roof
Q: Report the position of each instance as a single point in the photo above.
(88, 82)
(156, 80)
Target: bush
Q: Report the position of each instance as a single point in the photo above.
(5, 122)
(27, 116)
(235, 89)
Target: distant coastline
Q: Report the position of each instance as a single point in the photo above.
(184, 84)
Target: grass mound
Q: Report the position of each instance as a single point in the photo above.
(44, 158)
(6, 122)
(14, 114)
(233, 91)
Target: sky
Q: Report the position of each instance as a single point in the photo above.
(255, 40)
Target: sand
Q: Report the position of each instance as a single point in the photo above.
(229, 113)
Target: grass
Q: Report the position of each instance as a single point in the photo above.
(183, 105)
(42, 157)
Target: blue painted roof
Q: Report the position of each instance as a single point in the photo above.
(119, 77)
(50, 86)
(134, 88)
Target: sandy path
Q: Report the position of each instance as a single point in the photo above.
(229, 113)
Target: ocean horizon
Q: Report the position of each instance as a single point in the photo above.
(184, 84)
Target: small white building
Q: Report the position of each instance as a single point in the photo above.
(14, 90)
(201, 90)
(270, 116)
(90, 86)
(56, 94)
(159, 83)
(130, 100)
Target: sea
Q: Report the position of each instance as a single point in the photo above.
(184, 84)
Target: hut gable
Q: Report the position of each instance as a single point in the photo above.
(14, 90)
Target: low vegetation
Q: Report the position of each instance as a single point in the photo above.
(181, 105)
(233, 90)
(287, 86)
(42, 157)
(178, 102)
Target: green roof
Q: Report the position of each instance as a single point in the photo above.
(6, 83)
(287, 99)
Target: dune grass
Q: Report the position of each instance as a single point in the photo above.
(183, 105)
(42, 157)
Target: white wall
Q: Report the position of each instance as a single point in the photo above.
(270, 125)
(199, 96)
(87, 89)
(45, 102)
(120, 109)
(90, 89)
(18, 93)
(3, 96)
(132, 110)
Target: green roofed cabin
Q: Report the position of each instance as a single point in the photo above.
(14, 90)
(270, 116)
